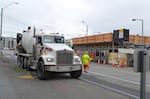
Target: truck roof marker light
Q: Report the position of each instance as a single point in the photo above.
(48, 49)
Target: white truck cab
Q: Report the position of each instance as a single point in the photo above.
(48, 53)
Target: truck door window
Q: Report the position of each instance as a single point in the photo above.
(59, 39)
(48, 39)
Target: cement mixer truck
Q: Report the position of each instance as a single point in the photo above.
(46, 53)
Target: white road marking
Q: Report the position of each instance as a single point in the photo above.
(100, 74)
(115, 90)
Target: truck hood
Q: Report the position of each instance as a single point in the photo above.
(57, 46)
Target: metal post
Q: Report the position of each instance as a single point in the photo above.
(143, 72)
(86, 30)
(2, 16)
(1, 23)
(143, 79)
(113, 50)
(1, 32)
(142, 34)
(1, 28)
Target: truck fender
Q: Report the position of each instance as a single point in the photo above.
(41, 59)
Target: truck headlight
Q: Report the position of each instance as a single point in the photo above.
(77, 60)
(50, 59)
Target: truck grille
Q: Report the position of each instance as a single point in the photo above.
(64, 57)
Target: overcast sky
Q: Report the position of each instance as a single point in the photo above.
(66, 16)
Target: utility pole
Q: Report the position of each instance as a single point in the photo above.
(1, 23)
(2, 9)
(1, 27)
(143, 71)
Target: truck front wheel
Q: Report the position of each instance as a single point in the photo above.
(41, 74)
(76, 74)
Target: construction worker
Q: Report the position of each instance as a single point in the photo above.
(85, 61)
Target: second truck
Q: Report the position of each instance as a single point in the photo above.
(46, 53)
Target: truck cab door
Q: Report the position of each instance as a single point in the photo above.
(39, 46)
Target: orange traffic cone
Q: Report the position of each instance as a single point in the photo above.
(113, 64)
(98, 61)
(104, 62)
(120, 65)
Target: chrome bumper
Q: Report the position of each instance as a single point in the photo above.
(63, 68)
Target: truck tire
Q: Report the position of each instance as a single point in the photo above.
(40, 71)
(22, 62)
(25, 62)
(18, 61)
(76, 74)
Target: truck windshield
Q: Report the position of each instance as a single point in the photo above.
(53, 39)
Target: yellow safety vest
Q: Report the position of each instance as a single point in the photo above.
(85, 59)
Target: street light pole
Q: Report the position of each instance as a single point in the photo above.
(1, 27)
(142, 30)
(86, 30)
(86, 27)
(142, 33)
(143, 73)
(2, 9)
(1, 23)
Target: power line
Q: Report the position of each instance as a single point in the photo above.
(9, 31)
(17, 21)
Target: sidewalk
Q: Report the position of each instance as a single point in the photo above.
(8, 74)
(122, 76)
(109, 66)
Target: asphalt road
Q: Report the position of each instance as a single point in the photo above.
(92, 85)
(59, 87)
